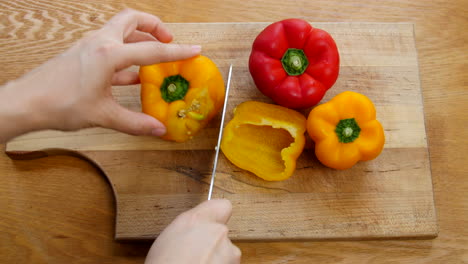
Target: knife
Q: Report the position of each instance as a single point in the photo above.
(215, 163)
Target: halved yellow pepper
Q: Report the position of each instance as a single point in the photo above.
(345, 131)
(264, 139)
(184, 95)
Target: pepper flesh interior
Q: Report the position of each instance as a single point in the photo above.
(257, 148)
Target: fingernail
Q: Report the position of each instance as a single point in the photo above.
(196, 48)
(158, 131)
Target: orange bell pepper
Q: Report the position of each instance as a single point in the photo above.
(345, 131)
(264, 139)
(184, 95)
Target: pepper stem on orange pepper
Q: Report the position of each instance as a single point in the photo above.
(174, 88)
(171, 88)
(347, 130)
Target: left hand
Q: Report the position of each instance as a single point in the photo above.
(73, 90)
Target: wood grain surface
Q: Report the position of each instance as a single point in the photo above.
(154, 180)
(60, 209)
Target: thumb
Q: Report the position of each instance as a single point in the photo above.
(121, 119)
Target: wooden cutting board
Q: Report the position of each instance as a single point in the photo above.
(154, 180)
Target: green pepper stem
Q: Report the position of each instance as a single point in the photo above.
(295, 62)
(171, 88)
(347, 130)
(174, 88)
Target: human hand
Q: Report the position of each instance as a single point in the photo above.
(73, 90)
(197, 236)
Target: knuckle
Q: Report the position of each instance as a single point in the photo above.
(158, 19)
(121, 17)
(128, 11)
(195, 217)
(105, 49)
(166, 52)
(140, 128)
(222, 230)
(137, 126)
(170, 52)
(105, 114)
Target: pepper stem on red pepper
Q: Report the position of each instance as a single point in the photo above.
(174, 88)
(347, 130)
(295, 62)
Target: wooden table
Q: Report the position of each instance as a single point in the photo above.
(60, 210)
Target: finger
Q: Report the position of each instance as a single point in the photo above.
(150, 52)
(121, 119)
(138, 36)
(236, 254)
(216, 210)
(125, 78)
(129, 20)
(226, 252)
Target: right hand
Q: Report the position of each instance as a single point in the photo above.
(199, 235)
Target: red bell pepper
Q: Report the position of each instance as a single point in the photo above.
(293, 63)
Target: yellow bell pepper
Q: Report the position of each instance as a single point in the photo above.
(345, 131)
(184, 95)
(264, 139)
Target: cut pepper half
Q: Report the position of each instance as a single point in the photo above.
(264, 139)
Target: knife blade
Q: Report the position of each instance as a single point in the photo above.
(220, 135)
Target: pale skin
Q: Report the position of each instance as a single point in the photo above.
(73, 91)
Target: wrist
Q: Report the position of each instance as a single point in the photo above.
(20, 112)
